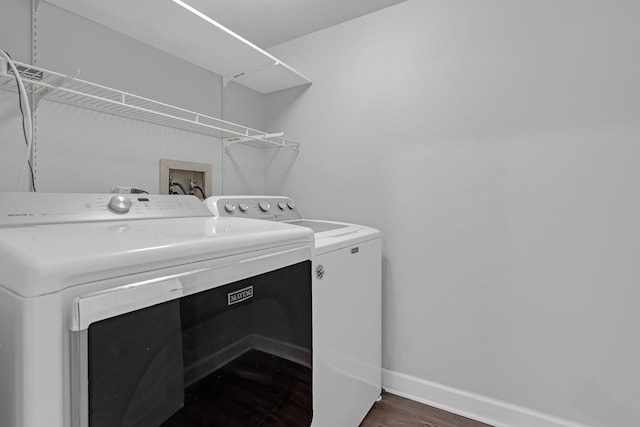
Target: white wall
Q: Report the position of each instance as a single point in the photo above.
(243, 165)
(79, 150)
(495, 144)
(15, 31)
(15, 38)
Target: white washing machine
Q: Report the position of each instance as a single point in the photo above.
(148, 311)
(346, 307)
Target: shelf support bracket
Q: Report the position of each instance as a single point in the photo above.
(231, 77)
(42, 93)
(261, 137)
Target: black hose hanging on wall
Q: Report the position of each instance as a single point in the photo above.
(197, 187)
(180, 186)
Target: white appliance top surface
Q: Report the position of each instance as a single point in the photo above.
(318, 226)
(333, 235)
(42, 259)
(329, 235)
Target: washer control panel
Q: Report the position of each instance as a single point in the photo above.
(23, 209)
(274, 208)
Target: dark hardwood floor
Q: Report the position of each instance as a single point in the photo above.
(396, 411)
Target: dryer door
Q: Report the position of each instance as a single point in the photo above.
(234, 354)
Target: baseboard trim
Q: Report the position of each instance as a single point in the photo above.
(471, 405)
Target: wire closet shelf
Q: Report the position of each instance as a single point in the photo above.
(42, 83)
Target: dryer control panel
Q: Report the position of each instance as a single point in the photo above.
(272, 208)
(25, 209)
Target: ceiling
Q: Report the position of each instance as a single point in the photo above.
(267, 23)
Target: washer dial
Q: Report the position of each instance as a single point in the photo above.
(264, 206)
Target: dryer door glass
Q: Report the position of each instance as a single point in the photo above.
(235, 355)
(136, 368)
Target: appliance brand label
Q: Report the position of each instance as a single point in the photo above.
(319, 271)
(240, 295)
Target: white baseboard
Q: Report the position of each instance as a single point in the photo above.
(471, 405)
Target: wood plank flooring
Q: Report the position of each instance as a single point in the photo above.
(255, 389)
(396, 411)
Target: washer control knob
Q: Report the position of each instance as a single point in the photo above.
(264, 206)
(291, 205)
(243, 207)
(282, 205)
(119, 204)
(230, 207)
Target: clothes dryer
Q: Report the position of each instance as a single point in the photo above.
(148, 311)
(346, 306)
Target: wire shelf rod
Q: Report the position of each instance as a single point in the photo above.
(78, 92)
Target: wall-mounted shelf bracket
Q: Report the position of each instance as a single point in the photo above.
(263, 137)
(265, 140)
(40, 93)
(226, 79)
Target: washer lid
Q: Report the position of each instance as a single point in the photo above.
(332, 235)
(45, 259)
(319, 226)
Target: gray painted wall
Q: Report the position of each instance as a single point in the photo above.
(495, 144)
(79, 150)
(244, 170)
(15, 31)
(15, 38)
